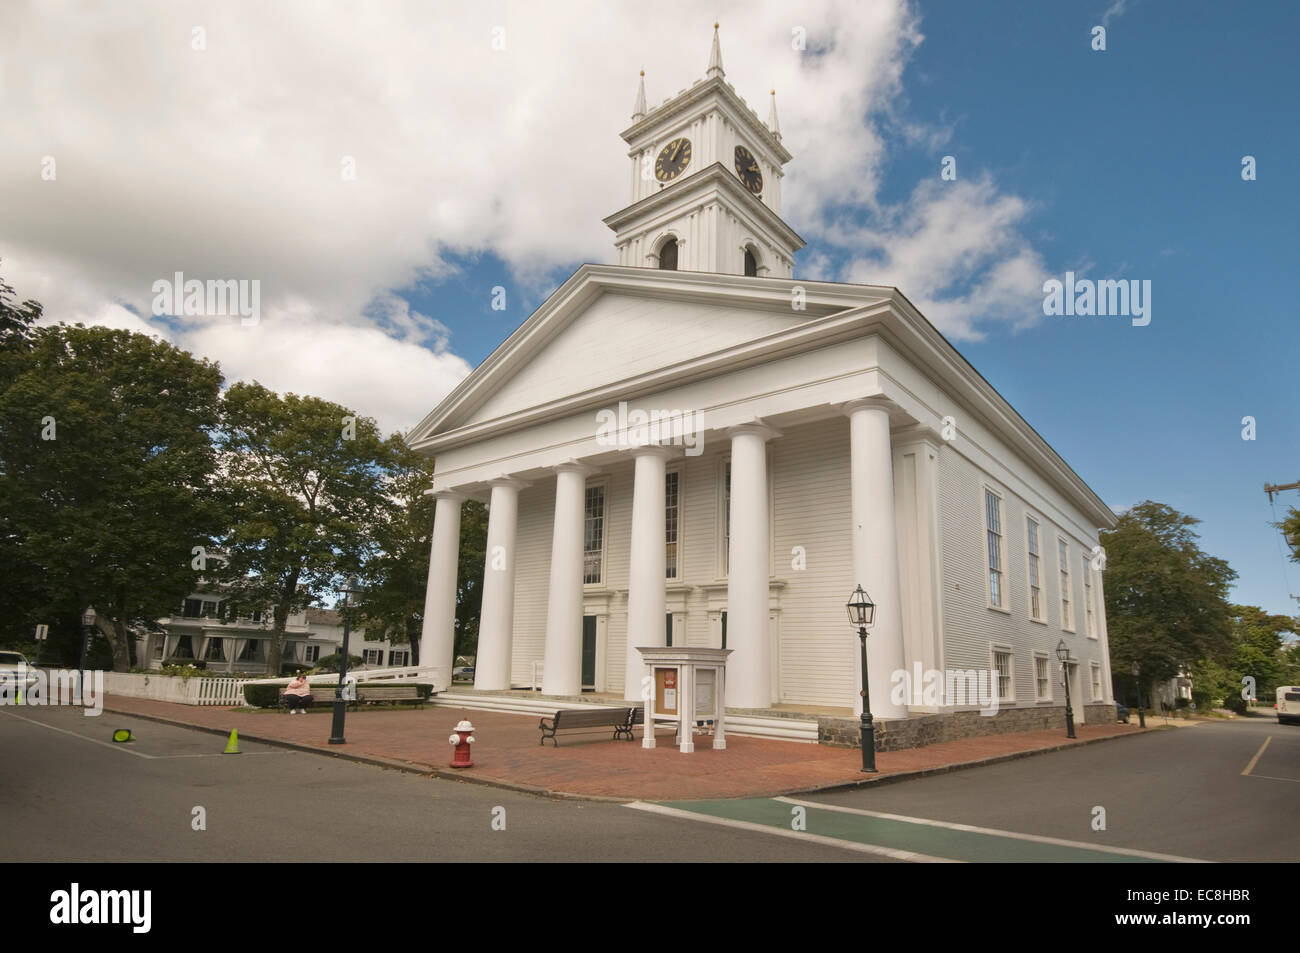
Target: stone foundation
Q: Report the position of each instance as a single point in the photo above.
(893, 734)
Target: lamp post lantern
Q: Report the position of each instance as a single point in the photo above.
(1137, 680)
(862, 612)
(350, 588)
(1063, 654)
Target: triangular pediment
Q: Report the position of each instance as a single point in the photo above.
(610, 324)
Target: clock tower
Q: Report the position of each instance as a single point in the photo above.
(706, 184)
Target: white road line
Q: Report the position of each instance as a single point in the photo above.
(125, 750)
(1267, 777)
(1036, 838)
(1253, 761)
(94, 741)
(796, 835)
(217, 754)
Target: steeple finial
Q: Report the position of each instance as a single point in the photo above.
(715, 56)
(638, 111)
(772, 124)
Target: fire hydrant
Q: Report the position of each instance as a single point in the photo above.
(462, 739)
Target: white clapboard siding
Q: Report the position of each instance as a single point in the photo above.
(969, 625)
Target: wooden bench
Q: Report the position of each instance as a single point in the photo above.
(572, 719)
(373, 694)
(320, 695)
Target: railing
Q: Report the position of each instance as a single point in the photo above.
(200, 690)
(432, 674)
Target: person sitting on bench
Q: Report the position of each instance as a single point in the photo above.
(298, 694)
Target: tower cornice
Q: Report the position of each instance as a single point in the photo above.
(741, 113)
(715, 177)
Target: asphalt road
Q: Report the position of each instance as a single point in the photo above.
(67, 793)
(1182, 794)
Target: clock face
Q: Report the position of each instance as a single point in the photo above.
(673, 159)
(747, 169)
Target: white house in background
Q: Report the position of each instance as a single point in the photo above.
(204, 628)
(693, 448)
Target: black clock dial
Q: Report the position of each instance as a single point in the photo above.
(747, 169)
(673, 159)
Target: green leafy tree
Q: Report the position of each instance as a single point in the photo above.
(106, 466)
(306, 480)
(397, 576)
(469, 576)
(1166, 600)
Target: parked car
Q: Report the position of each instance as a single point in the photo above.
(1121, 711)
(462, 673)
(13, 663)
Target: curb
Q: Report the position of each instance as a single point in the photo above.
(407, 767)
(411, 767)
(962, 765)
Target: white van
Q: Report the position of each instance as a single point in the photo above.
(1288, 705)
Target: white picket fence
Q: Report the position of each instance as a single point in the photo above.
(230, 691)
(173, 688)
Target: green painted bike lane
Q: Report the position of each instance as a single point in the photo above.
(913, 835)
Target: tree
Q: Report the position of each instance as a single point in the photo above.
(105, 476)
(306, 482)
(397, 576)
(1166, 601)
(469, 576)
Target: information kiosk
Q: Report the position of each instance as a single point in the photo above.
(687, 688)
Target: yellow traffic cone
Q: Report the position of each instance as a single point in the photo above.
(232, 746)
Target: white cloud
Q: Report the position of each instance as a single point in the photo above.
(226, 163)
(1116, 9)
(956, 250)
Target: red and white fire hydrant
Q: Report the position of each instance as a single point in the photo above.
(462, 739)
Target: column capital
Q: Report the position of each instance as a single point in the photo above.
(573, 466)
(758, 427)
(848, 408)
(451, 495)
(513, 483)
(654, 450)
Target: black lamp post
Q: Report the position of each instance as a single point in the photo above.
(1063, 654)
(350, 588)
(1137, 680)
(87, 627)
(862, 612)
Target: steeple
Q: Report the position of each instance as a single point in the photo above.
(638, 111)
(715, 56)
(705, 176)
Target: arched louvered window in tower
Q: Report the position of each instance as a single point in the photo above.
(668, 255)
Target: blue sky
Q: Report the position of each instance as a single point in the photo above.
(209, 137)
(1131, 161)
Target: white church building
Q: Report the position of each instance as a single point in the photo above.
(693, 447)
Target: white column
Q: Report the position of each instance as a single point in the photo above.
(563, 656)
(875, 553)
(648, 565)
(496, 620)
(438, 637)
(749, 676)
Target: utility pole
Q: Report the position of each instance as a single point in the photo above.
(1271, 488)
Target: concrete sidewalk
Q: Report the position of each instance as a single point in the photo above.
(590, 765)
